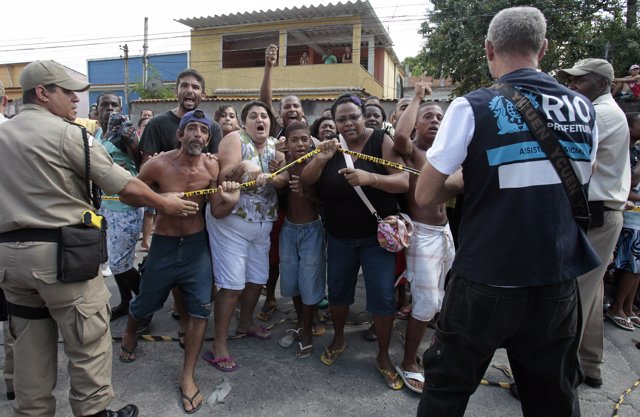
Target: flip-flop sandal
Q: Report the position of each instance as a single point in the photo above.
(266, 313)
(319, 329)
(259, 333)
(215, 362)
(131, 352)
(620, 321)
(635, 320)
(190, 400)
(291, 335)
(304, 351)
(370, 334)
(329, 356)
(409, 375)
(392, 379)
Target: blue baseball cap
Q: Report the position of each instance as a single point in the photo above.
(195, 116)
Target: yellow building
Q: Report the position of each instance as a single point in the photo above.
(229, 52)
(10, 77)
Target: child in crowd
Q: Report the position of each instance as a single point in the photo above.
(302, 252)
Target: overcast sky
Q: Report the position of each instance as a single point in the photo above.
(71, 31)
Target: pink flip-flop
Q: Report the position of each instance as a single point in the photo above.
(259, 333)
(215, 362)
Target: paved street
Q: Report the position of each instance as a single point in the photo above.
(272, 382)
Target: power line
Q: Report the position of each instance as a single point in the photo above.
(49, 44)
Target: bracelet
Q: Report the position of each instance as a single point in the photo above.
(376, 184)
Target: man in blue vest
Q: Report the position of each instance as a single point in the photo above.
(513, 282)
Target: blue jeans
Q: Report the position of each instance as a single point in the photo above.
(176, 261)
(344, 259)
(536, 325)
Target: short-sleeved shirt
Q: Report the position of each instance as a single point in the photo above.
(43, 171)
(160, 135)
(611, 181)
(330, 59)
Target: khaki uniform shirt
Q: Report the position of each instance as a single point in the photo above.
(43, 169)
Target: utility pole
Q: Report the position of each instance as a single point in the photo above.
(125, 49)
(145, 58)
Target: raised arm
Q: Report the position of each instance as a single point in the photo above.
(407, 122)
(270, 59)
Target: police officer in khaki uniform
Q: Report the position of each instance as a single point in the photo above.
(44, 156)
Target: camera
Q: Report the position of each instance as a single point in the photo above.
(117, 129)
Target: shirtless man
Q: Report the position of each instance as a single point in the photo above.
(430, 255)
(179, 254)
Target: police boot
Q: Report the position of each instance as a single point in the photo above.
(129, 410)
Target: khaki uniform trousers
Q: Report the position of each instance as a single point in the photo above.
(591, 287)
(81, 312)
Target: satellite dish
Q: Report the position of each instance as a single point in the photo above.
(154, 84)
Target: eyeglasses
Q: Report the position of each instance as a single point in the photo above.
(353, 117)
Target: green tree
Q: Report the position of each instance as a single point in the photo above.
(416, 66)
(576, 29)
(160, 91)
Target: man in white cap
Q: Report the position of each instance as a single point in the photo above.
(57, 159)
(628, 87)
(608, 191)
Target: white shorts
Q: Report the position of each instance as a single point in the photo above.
(429, 258)
(239, 250)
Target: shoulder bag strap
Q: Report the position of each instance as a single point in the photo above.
(349, 162)
(551, 147)
(91, 188)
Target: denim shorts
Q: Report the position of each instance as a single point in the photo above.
(302, 261)
(176, 261)
(344, 259)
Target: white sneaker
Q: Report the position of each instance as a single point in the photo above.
(106, 271)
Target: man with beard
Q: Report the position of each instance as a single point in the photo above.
(160, 133)
(431, 252)
(160, 136)
(179, 255)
